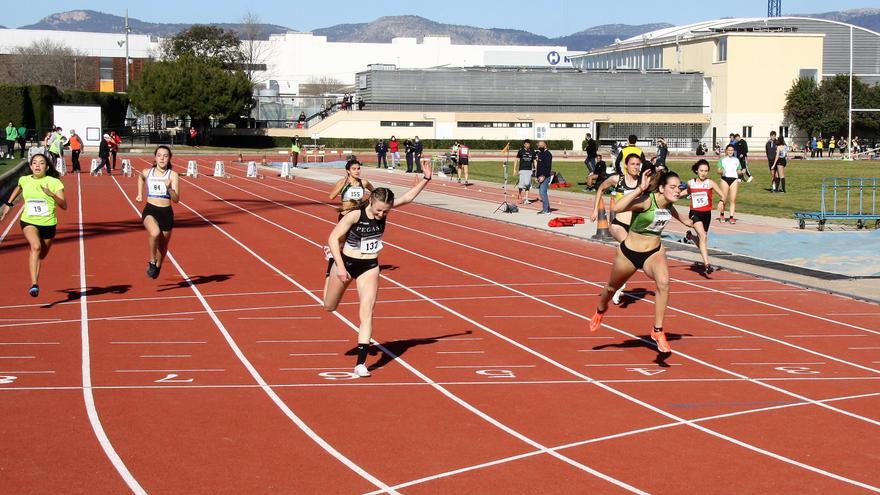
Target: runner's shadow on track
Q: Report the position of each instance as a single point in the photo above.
(389, 268)
(698, 269)
(633, 296)
(75, 294)
(196, 280)
(399, 347)
(646, 342)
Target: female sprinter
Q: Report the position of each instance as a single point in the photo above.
(778, 167)
(730, 169)
(353, 190)
(355, 243)
(625, 184)
(42, 192)
(700, 190)
(163, 188)
(642, 248)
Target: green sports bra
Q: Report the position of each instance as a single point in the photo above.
(651, 221)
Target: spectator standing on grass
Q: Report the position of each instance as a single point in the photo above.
(662, 152)
(592, 150)
(544, 172)
(629, 149)
(820, 147)
(742, 153)
(779, 164)
(11, 138)
(381, 154)
(22, 140)
(76, 146)
(526, 156)
(832, 143)
(770, 149)
(408, 152)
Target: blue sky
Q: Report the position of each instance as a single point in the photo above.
(547, 17)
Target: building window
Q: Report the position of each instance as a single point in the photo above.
(569, 125)
(721, 50)
(106, 69)
(405, 123)
(810, 74)
(495, 124)
(747, 131)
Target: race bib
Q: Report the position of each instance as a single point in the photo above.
(371, 245)
(158, 188)
(661, 218)
(37, 207)
(354, 194)
(699, 199)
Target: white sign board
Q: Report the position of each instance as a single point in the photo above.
(85, 120)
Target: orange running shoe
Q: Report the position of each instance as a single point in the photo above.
(596, 320)
(658, 336)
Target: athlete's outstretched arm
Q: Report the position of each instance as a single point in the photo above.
(412, 193)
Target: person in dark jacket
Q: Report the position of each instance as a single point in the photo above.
(544, 173)
(742, 152)
(662, 152)
(770, 149)
(418, 148)
(381, 154)
(104, 154)
(409, 152)
(592, 149)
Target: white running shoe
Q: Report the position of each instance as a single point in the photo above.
(751, 178)
(616, 297)
(361, 371)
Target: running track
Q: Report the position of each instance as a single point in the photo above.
(226, 376)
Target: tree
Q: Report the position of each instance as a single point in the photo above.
(254, 51)
(189, 86)
(802, 108)
(49, 62)
(209, 43)
(321, 85)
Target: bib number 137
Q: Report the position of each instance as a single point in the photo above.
(370, 246)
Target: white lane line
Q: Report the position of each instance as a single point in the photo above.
(18, 357)
(148, 356)
(47, 372)
(258, 378)
(300, 341)
(88, 395)
(160, 342)
(315, 354)
(689, 337)
(30, 319)
(461, 352)
(774, 364)
(407, 317)
(134, 318)
(279, 317)
(719, 349)
(12, 221)
(735, 315)
(489, 419)
(863, 348)
(602, 365)
(810, 336)
(567, 338)
(326, 368)
(704, 419)
(853, 314)
(489, 366)
(30, 343)
(523, 316)
(204, 370)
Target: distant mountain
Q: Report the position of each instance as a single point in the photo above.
(866, 18)
(604, 35)
(99, 22)
(383, 29)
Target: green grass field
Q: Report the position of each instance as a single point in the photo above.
(6, 164)
(803, 182)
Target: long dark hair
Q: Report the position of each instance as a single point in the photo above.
(696, 166)
(170, 154)
(661, 179)
(51, 171)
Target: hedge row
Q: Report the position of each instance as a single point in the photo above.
(368, 143)
(32, 105)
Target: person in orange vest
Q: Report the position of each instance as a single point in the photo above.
(76, 147)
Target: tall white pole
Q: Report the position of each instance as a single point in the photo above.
(849, 133)
(127, 68)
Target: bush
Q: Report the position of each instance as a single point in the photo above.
(13, 101)
(42, 98)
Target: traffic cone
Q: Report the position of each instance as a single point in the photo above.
(602, 231)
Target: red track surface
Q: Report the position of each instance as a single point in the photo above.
(226, 376)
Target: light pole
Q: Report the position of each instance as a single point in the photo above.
(127, 29)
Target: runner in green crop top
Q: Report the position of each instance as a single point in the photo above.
(642, 248)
